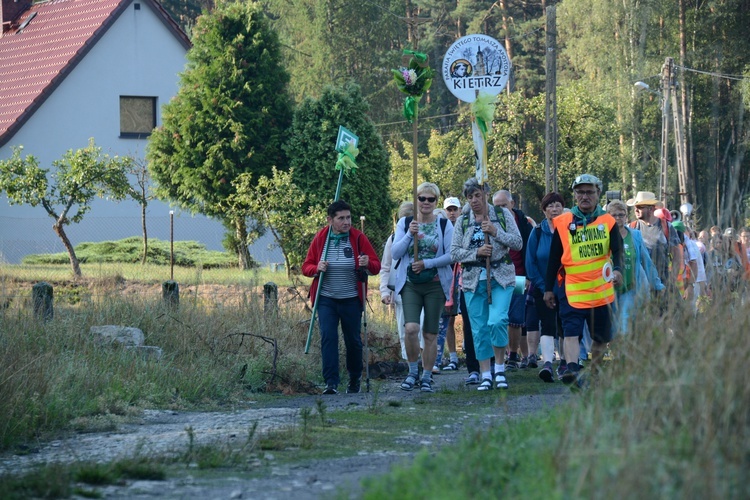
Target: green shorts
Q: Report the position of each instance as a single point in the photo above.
(427, 296)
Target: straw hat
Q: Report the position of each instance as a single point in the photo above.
(643, 198)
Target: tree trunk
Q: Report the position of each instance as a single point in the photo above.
(241, 234)
(60, 231)
(145, 232)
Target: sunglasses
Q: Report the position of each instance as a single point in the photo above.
(431, 199)
(643, 207)
(452, 209)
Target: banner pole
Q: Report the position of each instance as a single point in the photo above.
(322, 273)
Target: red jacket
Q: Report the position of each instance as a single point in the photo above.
(360, 245)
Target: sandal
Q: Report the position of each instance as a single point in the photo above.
(486, 385)
(473, 379)
(408, 383)
(450, 367)
(426, 385)
(500, 381)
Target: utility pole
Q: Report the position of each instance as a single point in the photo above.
(666, 87)
(680, 150)
(550, 131)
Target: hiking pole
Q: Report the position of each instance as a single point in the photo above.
(363, 277)
(347, 153)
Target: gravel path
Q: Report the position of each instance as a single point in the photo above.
(163, 432)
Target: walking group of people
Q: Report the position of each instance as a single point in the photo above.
(520, 287)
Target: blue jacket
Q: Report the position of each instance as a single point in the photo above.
(537, 254)
(647, 270)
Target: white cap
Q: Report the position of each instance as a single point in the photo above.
(451, 202)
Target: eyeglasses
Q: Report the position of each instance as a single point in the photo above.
(430, 199)
(588, 193)
(643, 207)
(619, 216)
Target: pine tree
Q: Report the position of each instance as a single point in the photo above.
(229, 117)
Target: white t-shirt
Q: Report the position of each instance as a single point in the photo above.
(694, 254)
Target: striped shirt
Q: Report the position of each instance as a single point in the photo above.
(340, 280)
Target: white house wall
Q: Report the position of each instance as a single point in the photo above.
(137, 56)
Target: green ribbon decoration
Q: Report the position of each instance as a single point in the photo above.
(483, 109)
(421, 57)
(346, 158)
(410, 108)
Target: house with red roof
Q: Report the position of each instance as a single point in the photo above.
(71, 70)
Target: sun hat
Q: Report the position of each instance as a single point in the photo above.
(642, 198)
(587, 179)
(451, 202)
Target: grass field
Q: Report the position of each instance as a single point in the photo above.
(669, 417)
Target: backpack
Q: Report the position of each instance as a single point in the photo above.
(500, 219)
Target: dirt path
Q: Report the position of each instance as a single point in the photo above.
(163, 432)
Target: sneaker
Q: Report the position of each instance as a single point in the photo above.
(561, 369)
(533, 361)
(570, 375)
(426, 385)
(354, 387)
(436, 370)
(500, 381)
(330, 390)
(409, 383)
(546, 373)
(581, 383)
(473, 379)
(511, 365)
(450, 367)
(486, 385)
(524, 363)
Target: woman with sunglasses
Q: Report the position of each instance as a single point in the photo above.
(424, 282)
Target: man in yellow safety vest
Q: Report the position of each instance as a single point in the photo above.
(585, 257)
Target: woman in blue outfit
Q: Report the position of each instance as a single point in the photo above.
(489, 322)
(638, 271)
(537, 256)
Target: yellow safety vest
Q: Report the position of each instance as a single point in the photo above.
(586, 260)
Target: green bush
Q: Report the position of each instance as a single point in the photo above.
(130, 250)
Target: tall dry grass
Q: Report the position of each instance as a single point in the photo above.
(218, 351)
(669, 417)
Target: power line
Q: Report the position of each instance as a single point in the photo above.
(718, 75)
(424, 118)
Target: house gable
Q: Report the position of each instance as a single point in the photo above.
(43, 45)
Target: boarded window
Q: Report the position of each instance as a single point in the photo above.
(137, 116)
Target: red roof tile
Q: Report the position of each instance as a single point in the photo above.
(35, 59)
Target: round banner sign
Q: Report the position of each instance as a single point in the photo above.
(476, 63)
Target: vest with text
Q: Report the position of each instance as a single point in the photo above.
(586, 259)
